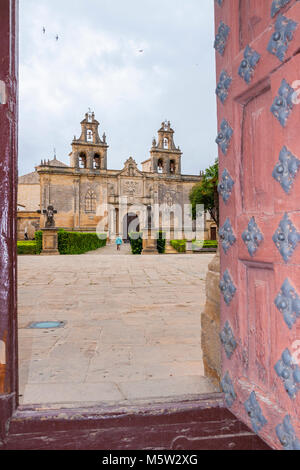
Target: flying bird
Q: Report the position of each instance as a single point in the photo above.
(141, 50)
(57, 38)
(44, 30)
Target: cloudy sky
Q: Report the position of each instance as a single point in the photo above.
(96, 64)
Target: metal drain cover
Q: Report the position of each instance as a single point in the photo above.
(45, 325)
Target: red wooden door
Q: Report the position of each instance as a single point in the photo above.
(258, 65)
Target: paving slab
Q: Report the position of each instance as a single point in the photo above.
(132, 327)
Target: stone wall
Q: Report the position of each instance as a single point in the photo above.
(30, 220)
(210, 323)
(29, 196)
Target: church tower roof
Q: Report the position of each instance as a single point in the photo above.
(89, 152)
(90, 131)
(165, 156)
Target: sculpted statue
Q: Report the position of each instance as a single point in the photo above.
(49, 213)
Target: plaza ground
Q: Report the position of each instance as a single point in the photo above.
(132, 327)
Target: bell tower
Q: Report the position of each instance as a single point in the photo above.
(89, 152)
(165, 156)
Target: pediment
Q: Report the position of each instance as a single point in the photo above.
(130, 168)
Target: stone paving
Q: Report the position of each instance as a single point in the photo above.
(132, 327)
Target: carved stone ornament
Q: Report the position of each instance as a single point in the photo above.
(49, 213)
(131, 187)
(282, 36)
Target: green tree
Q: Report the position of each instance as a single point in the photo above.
(206, 193)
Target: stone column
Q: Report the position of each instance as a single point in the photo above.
(90, 161)
(75, 160)
(155, 160)
(50, 241)
(178, 166)
(211, 323)
(167, 165)
(103, 161)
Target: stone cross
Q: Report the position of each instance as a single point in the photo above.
(49, 213)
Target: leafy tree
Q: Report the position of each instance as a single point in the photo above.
(206, 193)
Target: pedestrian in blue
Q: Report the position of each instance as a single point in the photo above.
(119, 242)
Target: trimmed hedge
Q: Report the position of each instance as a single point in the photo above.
(69, 243)
(39, 241)
(161, 242)
(206, 244)
(136, 242)
(26, 247)
(180, 245)
(77, 243)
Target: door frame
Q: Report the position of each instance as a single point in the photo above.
(99, 427)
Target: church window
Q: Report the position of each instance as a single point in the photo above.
(90, 201)
(172, 166)
(82, 161)
(96, 162)
(89, 135)
(160, 166)
(166, 143)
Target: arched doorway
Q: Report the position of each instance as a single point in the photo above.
(131, 223)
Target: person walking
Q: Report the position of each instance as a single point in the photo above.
(119, 242)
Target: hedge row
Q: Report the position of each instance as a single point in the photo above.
(161, 242)
(180, 245)
(69, 243)
(27, 248)
(136, 242)
(77, 243)
(39, 241)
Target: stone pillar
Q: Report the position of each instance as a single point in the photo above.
(50, 241)
(90, 161)
(155, 164)
(103, 160)
(211, 323)
(167, 165)
(178, 166)
(75, 160)
(149, 244)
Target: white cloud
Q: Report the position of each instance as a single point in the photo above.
(96, 63)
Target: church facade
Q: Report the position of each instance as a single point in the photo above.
(79, 192)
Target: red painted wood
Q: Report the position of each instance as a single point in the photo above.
(259, 328)
(202, 425)
(8, 184)
(205, 424)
